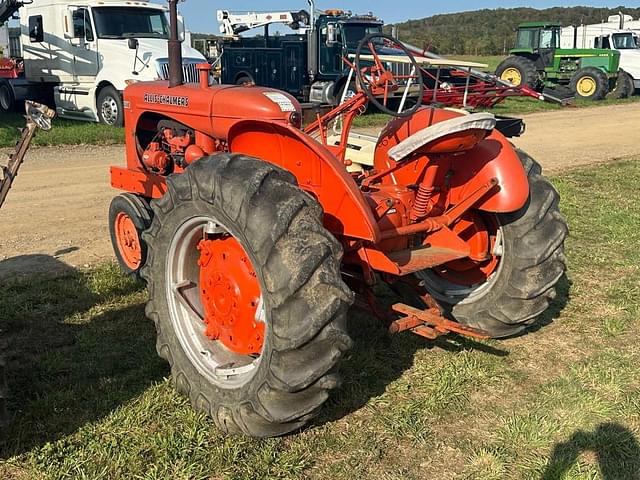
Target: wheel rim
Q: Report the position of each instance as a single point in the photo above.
(128, 241)
(109, 109)
(512, 75)
(215, 302)
(586, 86)
(467, 280)
(5, 100)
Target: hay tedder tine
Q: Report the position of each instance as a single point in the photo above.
(38, 116)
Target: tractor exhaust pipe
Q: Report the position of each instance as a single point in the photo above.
(175, 48)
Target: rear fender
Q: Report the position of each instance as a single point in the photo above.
(318, 172)
(494, 157)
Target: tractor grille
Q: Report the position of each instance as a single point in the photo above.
(189, 70)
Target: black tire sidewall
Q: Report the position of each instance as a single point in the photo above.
(525, 66)
(113, 93)
(7, 93)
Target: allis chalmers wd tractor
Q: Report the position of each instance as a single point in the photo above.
(255, 240)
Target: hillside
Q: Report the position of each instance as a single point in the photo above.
(492, 32)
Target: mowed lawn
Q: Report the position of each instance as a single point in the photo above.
(91, 400)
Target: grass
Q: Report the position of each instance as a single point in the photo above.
(91, 400)
(64, 132)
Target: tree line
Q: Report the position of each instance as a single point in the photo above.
(492, 32)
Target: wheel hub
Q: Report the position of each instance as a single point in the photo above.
(109, 110)
(512, 75)
(481, 236)
(586, 86)
(128, 240)
(231, 296)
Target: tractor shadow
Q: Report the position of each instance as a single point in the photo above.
(378, 359)
(71, 357)
(615, 447)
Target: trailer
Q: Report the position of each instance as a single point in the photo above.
(80, 57)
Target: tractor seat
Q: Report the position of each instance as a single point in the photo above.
(440, 137)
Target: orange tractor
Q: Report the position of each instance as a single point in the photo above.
(256, 237)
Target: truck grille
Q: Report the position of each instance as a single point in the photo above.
(189, 71)
(400, 68)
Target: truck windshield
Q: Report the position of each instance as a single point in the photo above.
(125, 22)
(624, 41)
(354, 33)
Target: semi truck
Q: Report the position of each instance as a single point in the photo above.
(609, 36)
(307, 63)
(81, 56)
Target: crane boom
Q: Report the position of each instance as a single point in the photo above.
(8, 8)
(232, 24)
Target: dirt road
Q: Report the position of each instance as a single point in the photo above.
(58, 207)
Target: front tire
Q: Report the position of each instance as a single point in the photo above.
(531, 264)
(280, 386)
(129, 216)
(590, 83)
(7, 99)
(110, 107)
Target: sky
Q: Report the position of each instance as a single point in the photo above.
(200, 15)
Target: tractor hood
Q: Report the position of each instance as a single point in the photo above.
(212, 110)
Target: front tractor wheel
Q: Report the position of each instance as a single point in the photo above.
(590, 83)
(246, 294)
(129, 216)
(506, 292)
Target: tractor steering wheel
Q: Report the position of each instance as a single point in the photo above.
(376, 81)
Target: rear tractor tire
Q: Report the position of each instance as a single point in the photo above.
(624, 86)
(531, 257)
(129, 216)
(519, 71)
(590, 83)
(246, 294)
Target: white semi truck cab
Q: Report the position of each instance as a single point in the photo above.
(84, 54)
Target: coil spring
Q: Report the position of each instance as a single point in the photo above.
(423, 201)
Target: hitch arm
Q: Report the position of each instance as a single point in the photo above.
(38, 116)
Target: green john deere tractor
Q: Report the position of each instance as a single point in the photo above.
(538, 62)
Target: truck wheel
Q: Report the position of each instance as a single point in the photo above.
(590, 83)
(518, 71)
(7, 99)
(129, 216)
(246, 294)
(244, 81)
(110, 108)
(506, 293)
(624, 86)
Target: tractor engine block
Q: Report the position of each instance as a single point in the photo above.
(174, 146)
